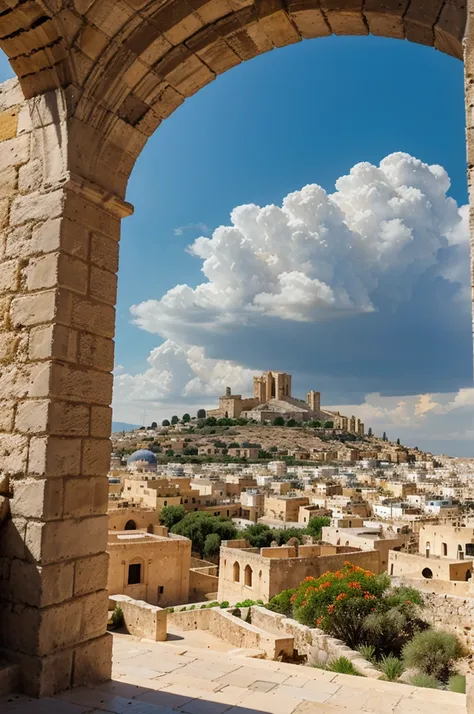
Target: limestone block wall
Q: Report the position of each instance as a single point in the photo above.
(96, 78)
(59, 253)
(140, 618)
(319, 648)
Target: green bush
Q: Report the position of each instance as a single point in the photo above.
(246, 603)
(356, 606)
(367, 652)
(433, 652)
(425, 680)
(224, 604)
(193, 607)
(282, 603)
(203, 607)
(457, 683)
(213, 604)
(343, 666)
(117, 617)
(170, 610)
(392, 668)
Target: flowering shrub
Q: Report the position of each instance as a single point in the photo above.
(358, 607)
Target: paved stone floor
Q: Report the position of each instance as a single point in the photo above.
(162, 678)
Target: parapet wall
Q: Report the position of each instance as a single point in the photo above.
(312, 643)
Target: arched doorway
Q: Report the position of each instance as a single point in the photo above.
(88, 121)
(130, 525)
(427, 573)
(248, 574)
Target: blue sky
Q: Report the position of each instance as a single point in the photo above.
(305, 114)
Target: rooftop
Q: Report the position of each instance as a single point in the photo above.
(177, 676)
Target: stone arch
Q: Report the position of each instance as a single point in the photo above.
(427, 573)
(130, 525)
(92, 86)
(236, 572)
(248, 576)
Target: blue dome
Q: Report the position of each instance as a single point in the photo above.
(142, 455)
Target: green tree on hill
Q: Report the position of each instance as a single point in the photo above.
(185, 418)
(316, 525)
(174, 419)
(278, 421)
(169, 515)
(212, 545)
(201, 414)
(165, 422)
(198, 525)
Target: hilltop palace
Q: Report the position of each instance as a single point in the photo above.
(272, 397)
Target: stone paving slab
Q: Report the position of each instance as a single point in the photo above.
(156, 678)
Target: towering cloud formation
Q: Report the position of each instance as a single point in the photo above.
(319, 256)
(365, 290)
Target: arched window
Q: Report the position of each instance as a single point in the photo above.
(236, 573)
(130, 526)
(165, 503)
(150, 528)
(248, 576)
(445, 548)
(391, 569)
(468, 575)
(427, 573)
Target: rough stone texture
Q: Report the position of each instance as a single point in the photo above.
(142, 619)
(319, 648)
(96, 78)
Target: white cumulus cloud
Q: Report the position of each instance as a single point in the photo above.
(319, 256)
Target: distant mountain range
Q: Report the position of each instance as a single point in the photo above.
(123, 426)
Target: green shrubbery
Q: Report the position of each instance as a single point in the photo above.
(342, 665)
(433, 653)
(117, 618)
(356, 606)
(383, 622)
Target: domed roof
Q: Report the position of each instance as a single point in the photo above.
(142, 455)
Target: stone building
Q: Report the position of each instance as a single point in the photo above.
(149, 567)
(366, 538)
(414, 566)
(446, 541)
(94, 81)
(252, 573)
(272, 397)
(284, 508)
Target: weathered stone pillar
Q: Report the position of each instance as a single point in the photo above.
(58, 263)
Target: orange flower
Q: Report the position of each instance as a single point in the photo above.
(293, 597)
(341, 596)
(354, 585)
(331, 609)
(319, 621)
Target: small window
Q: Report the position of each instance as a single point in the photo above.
(161, 589)
(469, 549)
(236, 572)
(427, 573)
(134, 574)
(248, 576)
(445, 548)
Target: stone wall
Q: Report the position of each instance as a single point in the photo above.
(142, 619)
(96, 78)
(234, 630)
(452, 613)
(314, 644)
